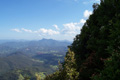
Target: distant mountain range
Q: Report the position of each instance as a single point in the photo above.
(34, 47)
(22, 40)
(37, 56)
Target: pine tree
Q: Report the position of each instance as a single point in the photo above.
(89, 55)
(70, 66)
(20, 77)
(111, 70)
(68, 70)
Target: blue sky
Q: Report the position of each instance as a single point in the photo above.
(37, 19)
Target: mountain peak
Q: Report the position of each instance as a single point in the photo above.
(44, 39)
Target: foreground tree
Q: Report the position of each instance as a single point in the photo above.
(68, 71)
(92, 55)
(111, 70)
(70, 66)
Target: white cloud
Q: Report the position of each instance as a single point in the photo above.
(71, 26)
(82, 21)
(71, 29)
(16, 30)
(56, 26)
(26, 30)
(44, 31)
(87, 13)
(41, 31)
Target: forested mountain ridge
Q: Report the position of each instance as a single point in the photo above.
(34, 47)
(94, 53)
(28, 58)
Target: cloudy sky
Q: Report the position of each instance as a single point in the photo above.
(37, 19)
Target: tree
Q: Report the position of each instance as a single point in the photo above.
(68, 70)
(20, 77)
(40, 76)
(111, 70)
(89, 51)
(70, 66)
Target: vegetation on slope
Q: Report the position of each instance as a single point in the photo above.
(96, 48)
(30, 59)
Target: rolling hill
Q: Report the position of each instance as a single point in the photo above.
(31, 56)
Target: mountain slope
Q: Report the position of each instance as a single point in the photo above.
(96, 48)
(34, 47)
(27, 58)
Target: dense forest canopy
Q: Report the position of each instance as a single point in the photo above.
(94, 53)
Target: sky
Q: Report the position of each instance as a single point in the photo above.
(37, 19)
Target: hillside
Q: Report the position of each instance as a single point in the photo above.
(29, 57)
(34, 47)
(95, 52)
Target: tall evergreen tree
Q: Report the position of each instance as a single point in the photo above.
(70, 66)
(92, 56)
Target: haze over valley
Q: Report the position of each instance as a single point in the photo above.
(31, 56)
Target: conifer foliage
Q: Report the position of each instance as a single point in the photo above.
(95, 52)
(70, 66)
(68, 71)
